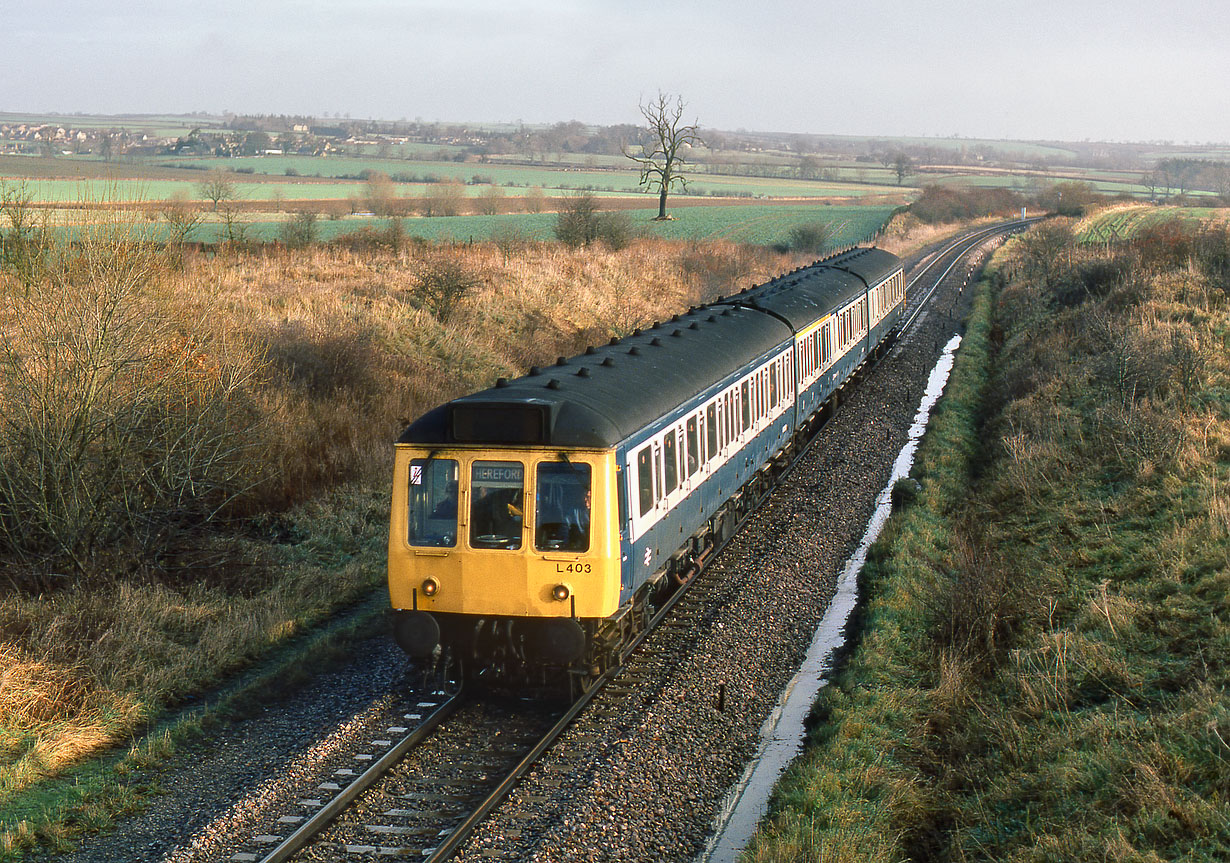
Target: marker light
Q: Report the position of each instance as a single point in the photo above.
(430, 586)
(561, 592)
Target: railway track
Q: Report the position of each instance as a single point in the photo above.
(422, 788)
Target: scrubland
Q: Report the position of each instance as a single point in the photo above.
(1041, 662)
(195, 450)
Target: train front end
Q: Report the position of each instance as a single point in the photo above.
(504, 557)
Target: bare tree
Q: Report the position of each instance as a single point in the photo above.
(446, 198)
(535, 200)
(381, 195)
(491, 200)
(1151, 181)
(181, 216)
(218, 188)
(662, 163)
(903, 166)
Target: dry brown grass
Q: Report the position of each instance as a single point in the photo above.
(360, 348)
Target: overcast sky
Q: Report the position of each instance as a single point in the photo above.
(1133, 70)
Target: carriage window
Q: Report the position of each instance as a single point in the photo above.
(432, 502)
(693, 447)
(747, 407)
(497, 489)
(562, 507)
(670, 453)
(712, 429)
(644, 474)
(773, 385)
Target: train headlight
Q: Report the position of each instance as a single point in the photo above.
(561, 592)
(430, 587)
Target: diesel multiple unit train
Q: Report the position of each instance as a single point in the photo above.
(535, 525)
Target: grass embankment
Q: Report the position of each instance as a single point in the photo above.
(194, 453)
(1042, 670)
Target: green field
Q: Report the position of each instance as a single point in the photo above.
(762, 225)
(1123, 223)
(324, 178)
(621, 180)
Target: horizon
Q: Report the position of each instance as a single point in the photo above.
(483, 124)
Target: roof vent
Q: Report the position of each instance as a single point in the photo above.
(634, 351)
(608, 362)
(674, 319)
(582, 372)
(677, 333)
(561, 361)
(591, 350)
(501, 382)
(535, 370)
(553, 384)
(711, 319)
(637, 331)
(656, 342)
(614, 341)
(693, 326)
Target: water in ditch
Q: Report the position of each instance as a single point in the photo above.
(781, 737)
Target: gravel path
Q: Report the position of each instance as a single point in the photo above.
(642, 772)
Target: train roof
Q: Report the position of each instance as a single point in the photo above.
(597, 399)
(807, 294)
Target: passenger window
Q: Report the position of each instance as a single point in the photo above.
(712, 429)
(497, 490)
(693, 447)
(644, 473)
(747, 407)
(772, 385)
(431, 505)
(562, 507)
(671, 454)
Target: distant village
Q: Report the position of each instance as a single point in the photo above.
(307, 136)
(303, 138)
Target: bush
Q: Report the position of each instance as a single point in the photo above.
(444, 284)
(615, 230)
(581, 223)
(812, 238)
(122, 417)
(577, 222)
(299, 231)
